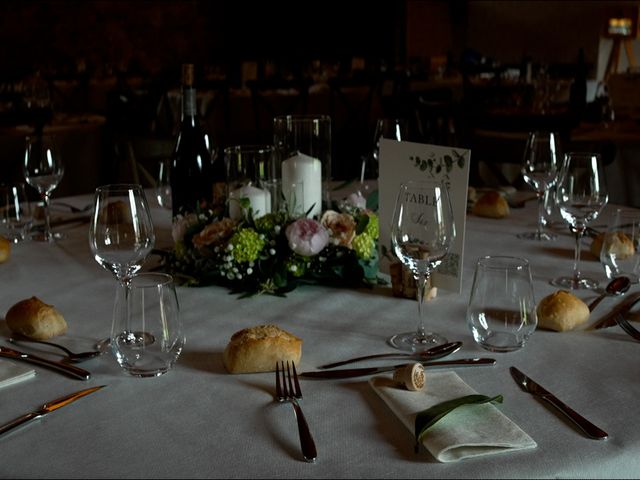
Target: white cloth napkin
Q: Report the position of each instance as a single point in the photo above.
(11, 373)
(468, 431)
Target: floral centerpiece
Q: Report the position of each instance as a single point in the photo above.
(276, 252)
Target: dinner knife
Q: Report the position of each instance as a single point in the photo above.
(360, 372)
(48, 408)
(65, 368)
(532, 387)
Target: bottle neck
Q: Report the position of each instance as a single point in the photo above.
(188, 103)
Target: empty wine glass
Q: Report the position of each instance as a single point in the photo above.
(422, 232)
(391, 128)
(581, 194)
(539, 170)
(121, 236)
(43, 170)
(163, 184)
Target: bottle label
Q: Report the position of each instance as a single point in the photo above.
(189, 102)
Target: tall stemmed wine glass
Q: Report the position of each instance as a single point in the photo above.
(43, 170)
(121, 236)
(581, 194)
(422, 232)
(540, 169)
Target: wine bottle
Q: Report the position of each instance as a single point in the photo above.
(191, 175)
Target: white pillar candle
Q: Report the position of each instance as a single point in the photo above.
(308, 170)
(260, 201)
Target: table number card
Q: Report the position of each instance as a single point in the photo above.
(403, 161)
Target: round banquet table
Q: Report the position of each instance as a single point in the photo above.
(197, 421)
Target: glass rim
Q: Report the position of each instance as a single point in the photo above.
(502, 262)
(305, 117)
(145, 280)
(251, 148)
(119, 187)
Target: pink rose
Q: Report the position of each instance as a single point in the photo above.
(306, 237)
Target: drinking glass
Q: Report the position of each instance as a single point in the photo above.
(15, 212)
(147, 336)
(249, 173)
(392, 128)
(539, 170)
(620, 254)
(422, 232)
(581, 194)
(121, 235)
(163, 185)
(43, 170)
(502, 308)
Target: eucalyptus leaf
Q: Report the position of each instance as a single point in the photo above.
(427, 418)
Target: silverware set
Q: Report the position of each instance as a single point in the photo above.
(72, 357)
(288, 390)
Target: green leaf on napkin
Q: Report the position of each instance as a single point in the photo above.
(430, 416)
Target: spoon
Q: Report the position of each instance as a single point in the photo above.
(433, 353)
(617, 286)
(73, 357)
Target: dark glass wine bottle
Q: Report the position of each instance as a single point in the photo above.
(191, 175)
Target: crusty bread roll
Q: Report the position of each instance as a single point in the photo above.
(35, 319)
(561, 311)
(257, 349)
(5, 249)
(617, 243)
(492, 205)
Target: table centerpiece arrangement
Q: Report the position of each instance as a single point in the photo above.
(276, 252)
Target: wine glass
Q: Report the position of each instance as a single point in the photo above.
(581, 194)
(391, 128)
(539, 170)
(163, 185)
(422, 232)
(121, 236)
(43, 170)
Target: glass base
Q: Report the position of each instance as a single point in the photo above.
(39, 237)
(573, 283)
(539, 236)
(413, 342)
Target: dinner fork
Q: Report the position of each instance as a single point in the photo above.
(627, 327)
(288, 390)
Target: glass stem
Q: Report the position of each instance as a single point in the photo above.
(541, 212)
(421, 283)
(121, 309)
(576, 259)
(47, 217)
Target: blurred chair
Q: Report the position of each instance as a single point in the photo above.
(272, 98)
(435, 117)
(354, 107)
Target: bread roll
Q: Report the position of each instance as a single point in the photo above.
(617, 243)
(492, 205)
(257, 349)
(561, 311)
(5, 249)
(35, 319)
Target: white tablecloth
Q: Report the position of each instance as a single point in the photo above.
(199, 421)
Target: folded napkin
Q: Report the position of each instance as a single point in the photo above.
(468, 431)
(11, 372)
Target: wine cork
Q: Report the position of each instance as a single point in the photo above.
(411, 376)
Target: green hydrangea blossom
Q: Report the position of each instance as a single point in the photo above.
(247, 244)
(373, 227)
(267, 223)
(296, 265)
(363, 245)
